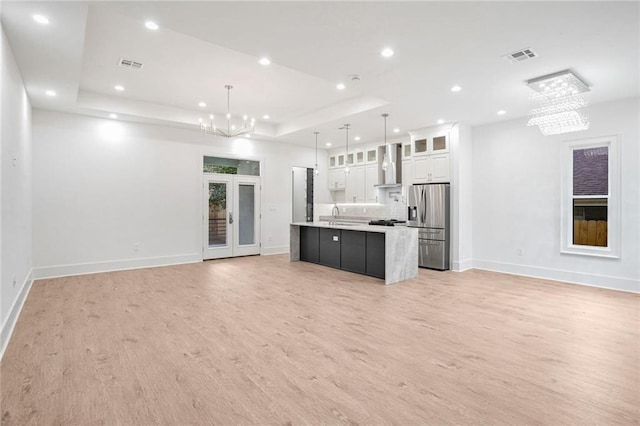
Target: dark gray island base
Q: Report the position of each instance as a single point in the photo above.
(389, 253)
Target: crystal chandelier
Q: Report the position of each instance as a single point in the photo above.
(559, 99)
(232, 130)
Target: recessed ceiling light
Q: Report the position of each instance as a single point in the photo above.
(328, 144)
(50, 92)
(502, 112)
(357, 138)
(456, 88)
(264, 61)
(202, 104)
(112, 115)
(41, 19)
(387, 52)
(118, 87)
(340, 86)
(396, 130)
(440, 121)
(266, 116)
(151, 25)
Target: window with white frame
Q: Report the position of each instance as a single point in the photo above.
(590, 207)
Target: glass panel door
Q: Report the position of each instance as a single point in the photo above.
(247, 205)
(217, 204)
(231, 216)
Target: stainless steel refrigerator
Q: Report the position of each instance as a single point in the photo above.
(429, 211)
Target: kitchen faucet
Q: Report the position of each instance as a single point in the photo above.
(335, 212)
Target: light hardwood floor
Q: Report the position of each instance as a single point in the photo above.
(262, 340)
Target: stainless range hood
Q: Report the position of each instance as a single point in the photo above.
(391, 177)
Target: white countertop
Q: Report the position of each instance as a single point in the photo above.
(353, 226)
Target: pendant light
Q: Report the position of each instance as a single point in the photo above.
(385, 158)
(346, 154)
(315, 169)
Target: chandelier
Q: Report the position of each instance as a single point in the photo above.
(559, 103)
(232, 130)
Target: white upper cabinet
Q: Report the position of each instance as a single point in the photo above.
(371, 155)
(419, 145)
(351, 159)
(336, 179)
(439, 143)
(333, 162)
(359, 157)
(407, 172)
(355, 191)
(370, 181)
(430, 160)
(407, 150)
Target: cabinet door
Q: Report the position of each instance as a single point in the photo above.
(336, 179)
(340, 160)
(371, 156)
(375, 255)
(407, 172)
(370, 181)
(351, 159)
(330, 247)
(421, 170)
(359, 156)
(332, 162)
(420, 146)
(309, 244)
(353, 251)
(407, 150)
(439, 168)
(439, 144)
(354, 192)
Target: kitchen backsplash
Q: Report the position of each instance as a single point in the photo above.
(393, 210)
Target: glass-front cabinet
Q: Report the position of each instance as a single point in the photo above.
(420, 146)
(371, 155)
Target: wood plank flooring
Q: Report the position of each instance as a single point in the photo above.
(260, 340)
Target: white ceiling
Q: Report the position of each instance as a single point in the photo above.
(201, 46)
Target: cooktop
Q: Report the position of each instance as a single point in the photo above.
(386, 222)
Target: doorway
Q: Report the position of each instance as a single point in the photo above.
(231, 216)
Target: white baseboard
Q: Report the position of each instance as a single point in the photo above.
(114, 265)
(591, 280)
(274, 250)
(14, 313)
(462, 265)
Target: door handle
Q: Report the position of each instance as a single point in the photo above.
(230, 218)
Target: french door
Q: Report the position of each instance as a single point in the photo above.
(231, 216)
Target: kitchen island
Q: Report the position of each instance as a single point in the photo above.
(387, 252)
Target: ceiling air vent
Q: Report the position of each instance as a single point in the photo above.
(521, 55)
(128, 63)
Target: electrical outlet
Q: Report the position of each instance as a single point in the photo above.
(364, 210)
(344, 209)
(136, 246)
(519, 252)
(14, 280)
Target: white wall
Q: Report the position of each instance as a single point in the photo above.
(102, 186)
(461, 197)
(516, 200)
(15, 199)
